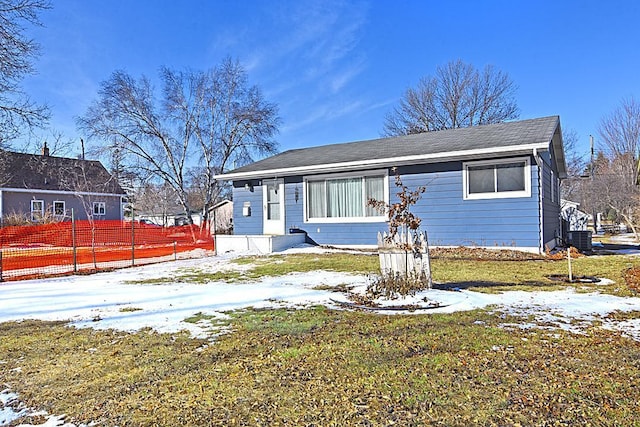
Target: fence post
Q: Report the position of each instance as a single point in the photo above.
(133, 239)
(73, 242)
(1, 251)
(215, 234)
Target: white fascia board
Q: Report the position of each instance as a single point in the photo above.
(392, 161)
(61, 192)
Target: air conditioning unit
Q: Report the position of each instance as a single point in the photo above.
(580, 240)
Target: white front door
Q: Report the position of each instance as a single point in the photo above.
(273, 206)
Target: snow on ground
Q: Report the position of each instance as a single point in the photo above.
(110, 300)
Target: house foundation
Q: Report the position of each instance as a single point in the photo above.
(263, 244)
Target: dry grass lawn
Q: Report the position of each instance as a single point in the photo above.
(320, 367)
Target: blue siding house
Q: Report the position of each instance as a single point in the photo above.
(487, 186)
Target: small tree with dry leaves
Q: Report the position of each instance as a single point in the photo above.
(400, 216)
(404, 254)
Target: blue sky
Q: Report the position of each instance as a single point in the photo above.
(336, 68)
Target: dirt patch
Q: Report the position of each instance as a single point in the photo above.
(632, 278)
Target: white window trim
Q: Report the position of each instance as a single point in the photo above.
(41, 210)
(64, 208)
(101, 212)
(497, 194)
(360, 219)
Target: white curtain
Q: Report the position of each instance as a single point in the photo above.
(316, 199)
(374, 189)
(345, 198)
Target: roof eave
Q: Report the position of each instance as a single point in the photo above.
(558, 151)
(389, 162)
(65, 192)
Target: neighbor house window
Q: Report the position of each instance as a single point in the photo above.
(99, 208)
(37, 210)
(59, 208)
(340, 198)
(497, 179)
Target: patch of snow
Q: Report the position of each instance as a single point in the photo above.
(12, 409)
(106, 300)
(628, 251)
(629, 328)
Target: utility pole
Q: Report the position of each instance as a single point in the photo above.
(591, 170)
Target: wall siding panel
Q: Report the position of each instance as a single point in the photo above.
(448, 219)
(550, 208)
(247, 224)
(20, 204)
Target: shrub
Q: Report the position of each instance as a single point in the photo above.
(403, 240)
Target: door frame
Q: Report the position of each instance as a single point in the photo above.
(273, 226)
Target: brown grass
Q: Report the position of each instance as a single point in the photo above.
(323, 367)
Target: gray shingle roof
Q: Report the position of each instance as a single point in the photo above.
(443, 144)
(37, 172)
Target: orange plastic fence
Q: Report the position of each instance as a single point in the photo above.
(66, 248)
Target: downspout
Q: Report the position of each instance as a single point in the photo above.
(540, 165)
(1, 208)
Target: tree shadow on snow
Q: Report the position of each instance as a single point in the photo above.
(614, 249)
(488, 285)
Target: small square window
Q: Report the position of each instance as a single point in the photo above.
(37, 210)
(510, 177)
(99, 208)
(59, 208)
(481, 179)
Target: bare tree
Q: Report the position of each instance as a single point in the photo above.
(201, 119)
(17, 53)
(236, 124)
(571, 188)
(620, 134)
(459, 95)
(615, 171)
(610, 190)
(158, 201)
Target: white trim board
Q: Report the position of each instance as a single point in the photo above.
(392, 161)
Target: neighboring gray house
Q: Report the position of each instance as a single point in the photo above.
(45, 186)
(489, 186)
